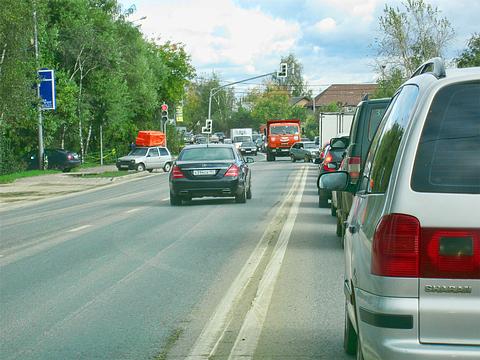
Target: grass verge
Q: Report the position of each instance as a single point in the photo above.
(9, 178)
(171, 340)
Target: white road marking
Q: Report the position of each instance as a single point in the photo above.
(132, 210)
(249, 334)
(79, 228)
(216, 326)
(167, 198)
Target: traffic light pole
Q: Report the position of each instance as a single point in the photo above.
(214, 91)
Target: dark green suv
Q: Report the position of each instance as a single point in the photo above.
(367, 117)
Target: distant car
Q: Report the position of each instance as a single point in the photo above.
(221, 136)
(331, 162)
(60, 159)
(259, 143)
(227, 141)
(214, 139)
(200, 139)
(248, 147)
(216, 170)
(146, 158)
(304, 150)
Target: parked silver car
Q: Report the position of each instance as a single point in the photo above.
(146, 158)
(412, 244)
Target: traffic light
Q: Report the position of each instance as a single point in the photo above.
(207, 129)
(164, 109)
(283, 70)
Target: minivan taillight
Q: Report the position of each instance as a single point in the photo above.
(177, 172)
(450, 253)
(395, 248)
(232, 171)
(353, 168)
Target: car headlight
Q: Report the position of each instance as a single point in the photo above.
(295, 137)
(132, 161)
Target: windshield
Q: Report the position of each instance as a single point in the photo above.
(138, 152)
(284, 129)
(206, 153)
(248, 143)
(310, 145)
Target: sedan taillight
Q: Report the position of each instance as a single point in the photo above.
(177, 173)
(232, 171)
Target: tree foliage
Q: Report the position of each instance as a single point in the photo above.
(471, 55)
(294, 82)
(107, 74)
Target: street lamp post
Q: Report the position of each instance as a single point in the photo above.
(39, 107)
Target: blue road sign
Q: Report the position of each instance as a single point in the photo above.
(47, 89)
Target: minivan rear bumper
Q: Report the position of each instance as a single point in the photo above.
(389, 330)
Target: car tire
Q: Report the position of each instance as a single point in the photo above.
(333, 211)
(140, 167)
(350, 338)
(293, 158)
(249, 192)
(339, 230)
(322, 199)
(175, 200)
(167, 167)
(66, 170)
(305, 159)
(242, 198)
(150, 170)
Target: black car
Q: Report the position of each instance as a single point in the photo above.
(331, 162)
(221, 136)
(248, 147)
(60, 159)
(216, 170)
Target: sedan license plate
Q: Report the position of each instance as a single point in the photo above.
(203, 172)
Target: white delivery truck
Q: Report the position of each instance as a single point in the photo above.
(240, 135)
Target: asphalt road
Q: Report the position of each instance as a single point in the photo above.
(120, 274)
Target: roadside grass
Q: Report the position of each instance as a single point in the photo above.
(9, 178)
(171, 340)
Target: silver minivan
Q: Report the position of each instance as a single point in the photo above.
(412, 242)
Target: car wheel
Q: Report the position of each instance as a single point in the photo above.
(339, 230)
(66, 170)
(167, 167)
(242, 198)
(293, 158)
(249, 192)
(175, 200)
(305, 159)
(333, 211)
(140, 167)
(350, 339)
(322, 199)
(149, 170)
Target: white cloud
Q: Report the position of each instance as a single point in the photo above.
(219, 31)
(326, 25)
(361, 10)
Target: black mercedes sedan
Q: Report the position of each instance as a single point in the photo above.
(216, 170)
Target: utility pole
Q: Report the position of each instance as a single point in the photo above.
(39, 107)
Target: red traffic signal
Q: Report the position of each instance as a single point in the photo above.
(164, 107)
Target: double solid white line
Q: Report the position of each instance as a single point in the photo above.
(247, 339)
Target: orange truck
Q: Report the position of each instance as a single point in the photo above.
(280, 136)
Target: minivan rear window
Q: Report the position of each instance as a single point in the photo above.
(448, 155)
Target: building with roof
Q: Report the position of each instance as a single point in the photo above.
(347, 96)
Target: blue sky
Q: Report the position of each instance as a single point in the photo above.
(242, 38)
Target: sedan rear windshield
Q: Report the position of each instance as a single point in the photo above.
(447, 159)
(207, 153)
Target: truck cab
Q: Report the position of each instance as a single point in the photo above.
(280, 136)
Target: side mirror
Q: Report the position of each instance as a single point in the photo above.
(249, 160)
(334, 181)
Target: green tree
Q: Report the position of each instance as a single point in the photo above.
(293, 82)
(471, 55)
(411, 35)
(388, 83)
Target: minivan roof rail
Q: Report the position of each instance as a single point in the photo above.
(434, 66)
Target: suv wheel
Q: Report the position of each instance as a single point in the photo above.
(140, 167)
(242, 198)
(350, 339)
(322, 199)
